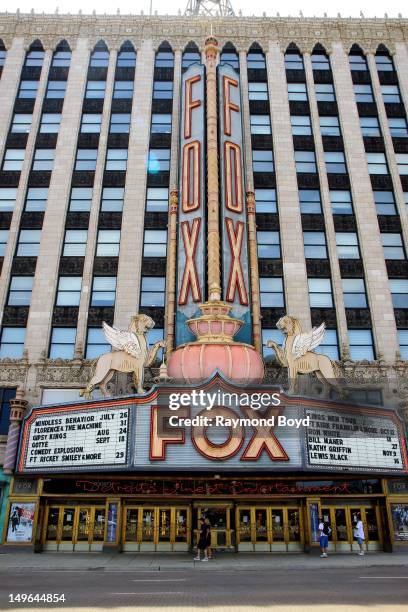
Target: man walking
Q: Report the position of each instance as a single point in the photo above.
(359, 534)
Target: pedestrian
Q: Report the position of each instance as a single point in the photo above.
(208, 549)
(359, 534)
(324, 532)
(202, 541)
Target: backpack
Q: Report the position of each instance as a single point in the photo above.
(326, 529)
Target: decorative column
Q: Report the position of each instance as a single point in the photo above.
(18, 407)
(93, 225)
(171, 271)
(213, 255)
(389, 147)
(327, 209)
(290, 222)
(171, 268)
(254, 272)
(375, 271)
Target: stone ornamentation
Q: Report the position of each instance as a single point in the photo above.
(298, 357)
(130, 354)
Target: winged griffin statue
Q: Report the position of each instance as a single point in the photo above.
(297, 354)
(130, 354)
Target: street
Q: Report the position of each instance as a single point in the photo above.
(384, 587)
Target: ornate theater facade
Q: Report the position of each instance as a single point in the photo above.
(204, 284)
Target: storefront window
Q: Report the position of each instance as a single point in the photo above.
(399, 514)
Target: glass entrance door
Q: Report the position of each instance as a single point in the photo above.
(343, 520)
(155, 528)
(74, 528)
(222, 527)
(269, 528)
(83, 529)
(67, 521)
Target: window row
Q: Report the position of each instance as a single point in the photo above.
(62, 342)
(81, 197)
(315, 245)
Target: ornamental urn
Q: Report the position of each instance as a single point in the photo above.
(215, 349)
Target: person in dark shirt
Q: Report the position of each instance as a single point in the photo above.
(208, 549)
(202, 541)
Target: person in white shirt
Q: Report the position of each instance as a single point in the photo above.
(324, 532)
(359, 534)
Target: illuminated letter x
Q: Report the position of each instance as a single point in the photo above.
(190, 276)
(236, 277)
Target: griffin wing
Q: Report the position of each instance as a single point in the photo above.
(122, 340)
(308, 341)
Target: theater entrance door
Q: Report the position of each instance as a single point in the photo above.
(153, 528)
(74, 527)
(270, 528)
(222, 520)
(342, 520)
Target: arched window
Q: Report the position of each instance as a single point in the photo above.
(62, 55)
(191, 55)
(35, 54)
(320, 59)
(256, 58)
(383, 60)
(293, 58)
(100, 55)
(3, 54)
(164, 56)
(357, 59)
(126, 56)
(229, 55)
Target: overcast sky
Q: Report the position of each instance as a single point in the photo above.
(370, 8)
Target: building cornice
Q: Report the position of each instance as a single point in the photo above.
(242, 31)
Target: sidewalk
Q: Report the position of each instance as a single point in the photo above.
(21, 562)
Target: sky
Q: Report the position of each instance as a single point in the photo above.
(370, 8)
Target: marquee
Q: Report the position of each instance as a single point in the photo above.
(133, 434)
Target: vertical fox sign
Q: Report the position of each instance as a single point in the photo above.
(233, 214)
(191, 230)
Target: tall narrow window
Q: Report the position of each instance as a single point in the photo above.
(320, 293)
(69, 290)
(361, 344)
(62, 343)
(36, 199)
(271, 292)
(108, 243)
(12, 342)
(268, 245)
(315, 245)
(20, 290)
(103, 291)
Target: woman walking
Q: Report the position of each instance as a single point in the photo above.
(208, 549)
(202, 541)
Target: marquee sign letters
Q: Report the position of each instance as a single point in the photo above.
(233, 213)
(191, 238)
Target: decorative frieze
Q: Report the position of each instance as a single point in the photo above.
(242, 31)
